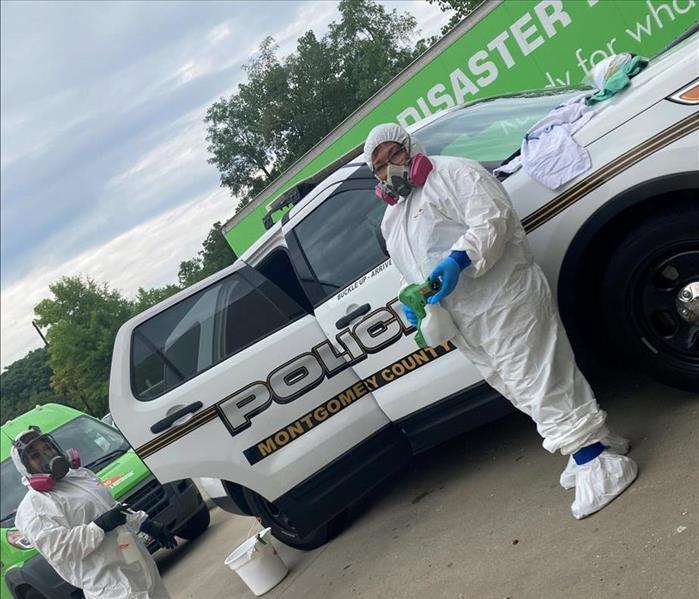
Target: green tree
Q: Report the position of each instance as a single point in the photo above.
(145, 298)
(372, 46)
(461, 8)
(319, 97)
(26, 383)
(82, 320)
(214, 255)
(286, 107)
(241, 130)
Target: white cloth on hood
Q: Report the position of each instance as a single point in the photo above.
(549, 154)
(503, 307)
(59, 524)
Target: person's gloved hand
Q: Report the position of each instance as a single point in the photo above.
(410, 315)
(112, 518)
(447, 271)
(160, 533)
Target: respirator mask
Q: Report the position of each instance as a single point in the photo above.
(401, 180)
(46, 463)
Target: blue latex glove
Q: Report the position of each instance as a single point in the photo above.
(410, 315)
(448, 271)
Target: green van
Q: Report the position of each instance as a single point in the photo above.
(25, 574)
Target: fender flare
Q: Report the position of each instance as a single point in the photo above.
(236, 503)
(637, 203)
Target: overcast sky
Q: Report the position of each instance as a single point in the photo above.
(103, 161)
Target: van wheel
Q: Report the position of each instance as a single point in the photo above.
(282, 528)
(196, 526)
(651, 298)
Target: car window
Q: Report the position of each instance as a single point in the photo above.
(11, 489)
(341, 239)
(488, 131)
(199, 332)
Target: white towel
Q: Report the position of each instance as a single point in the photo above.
(549, 153)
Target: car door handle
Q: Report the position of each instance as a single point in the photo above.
(171, 419)
(347, 318)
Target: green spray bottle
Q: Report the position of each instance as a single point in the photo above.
(434, 323)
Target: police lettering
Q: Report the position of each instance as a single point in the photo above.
(304, 372)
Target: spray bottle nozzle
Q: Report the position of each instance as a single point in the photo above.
(415, 297)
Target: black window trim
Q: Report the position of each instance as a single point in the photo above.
(285, 250)
(315, 291)
(242, 273)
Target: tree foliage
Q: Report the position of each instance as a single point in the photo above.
(27, 383)
(286, 106)
(145, 298)
(238, 129)
(215, 255)
(461, 8)
(82, 321)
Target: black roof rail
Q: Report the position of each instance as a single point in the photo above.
(289, 198)
(294, 195)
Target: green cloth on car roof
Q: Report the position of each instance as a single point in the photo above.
(619, 80)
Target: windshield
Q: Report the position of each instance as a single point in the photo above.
(489, 131)
(11, 489)
(93, 439)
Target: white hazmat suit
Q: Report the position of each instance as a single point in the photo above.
(59, 523)
(502, 305)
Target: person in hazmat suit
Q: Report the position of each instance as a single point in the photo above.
(71, 518)
(448, 219)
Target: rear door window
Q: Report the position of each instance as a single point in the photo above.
(205, 329)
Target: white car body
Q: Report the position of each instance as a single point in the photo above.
(249, 397)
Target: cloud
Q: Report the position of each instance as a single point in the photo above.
(164, 167)
(311, 15)
(146, 256)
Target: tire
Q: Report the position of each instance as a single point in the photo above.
(283, 530)
(196, 525)
(640, 292)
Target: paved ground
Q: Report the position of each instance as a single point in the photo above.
(483, 517)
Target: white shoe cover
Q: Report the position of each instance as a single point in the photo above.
(613, 443)
(601, 480)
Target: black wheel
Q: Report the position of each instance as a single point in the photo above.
(283, 529)
(651, 298)
(196, 525)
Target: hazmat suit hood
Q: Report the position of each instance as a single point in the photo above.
(390, 132)
(17, 461)
(55, 461)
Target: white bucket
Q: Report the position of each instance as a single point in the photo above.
(257, 562)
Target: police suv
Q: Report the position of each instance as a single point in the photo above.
(291, 379)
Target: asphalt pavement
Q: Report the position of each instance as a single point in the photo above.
(483, 516)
